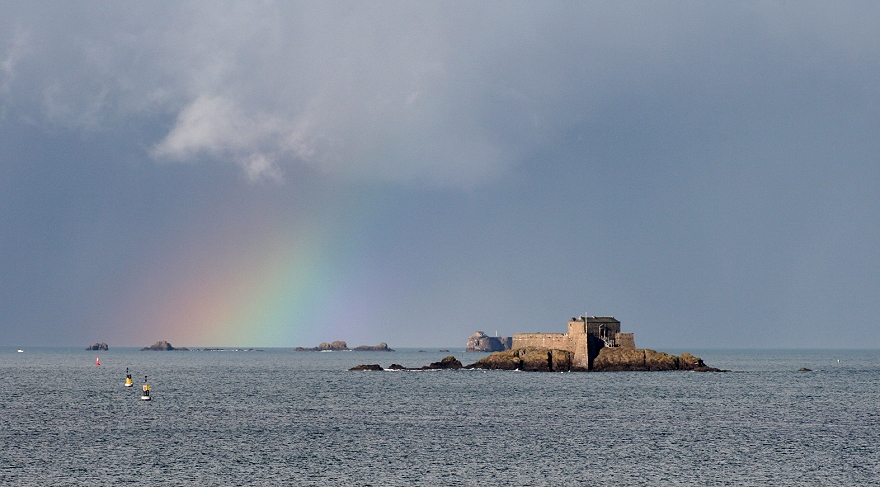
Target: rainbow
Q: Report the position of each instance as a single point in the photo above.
(285, 288)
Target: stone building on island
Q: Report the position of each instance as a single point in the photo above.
(585, 337)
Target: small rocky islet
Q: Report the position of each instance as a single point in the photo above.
(163, 346)
(448, 363)
(341, 346)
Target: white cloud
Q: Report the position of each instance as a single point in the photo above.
(16, 50)
(351, 92)
(217, 127)
(208, 124)
(260, 166)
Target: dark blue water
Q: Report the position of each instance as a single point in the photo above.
(281, 418)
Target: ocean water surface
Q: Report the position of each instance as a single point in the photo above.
(278, 417)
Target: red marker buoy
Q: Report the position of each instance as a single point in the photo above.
(98, 361)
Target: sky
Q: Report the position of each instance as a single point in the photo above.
(280, 174)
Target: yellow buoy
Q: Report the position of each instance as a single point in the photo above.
(145, 395)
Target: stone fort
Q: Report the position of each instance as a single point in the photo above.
(585, 337)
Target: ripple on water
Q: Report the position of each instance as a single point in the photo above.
(280, 417)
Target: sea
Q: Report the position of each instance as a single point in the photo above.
(280, 417)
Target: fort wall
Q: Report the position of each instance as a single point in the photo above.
(586, 336)
(626, 341)
(559, 341)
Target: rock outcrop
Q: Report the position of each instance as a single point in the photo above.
(336, 346)
(621, 359)
(533, 359)
(367, 367)
(537, 359)
(480, 342)
(382, 347)
(164, 346)
(449, 362)
(98, 346)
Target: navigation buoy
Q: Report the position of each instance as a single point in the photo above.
(145, 395)
(128, 381)
(97, 361)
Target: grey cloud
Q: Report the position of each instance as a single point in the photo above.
(395, 91)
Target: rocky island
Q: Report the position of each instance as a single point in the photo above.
(336, 346)
(382, 347)
(163, 346)
(98, 346)
(592, 344)
(341, 346)
(480, 342)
